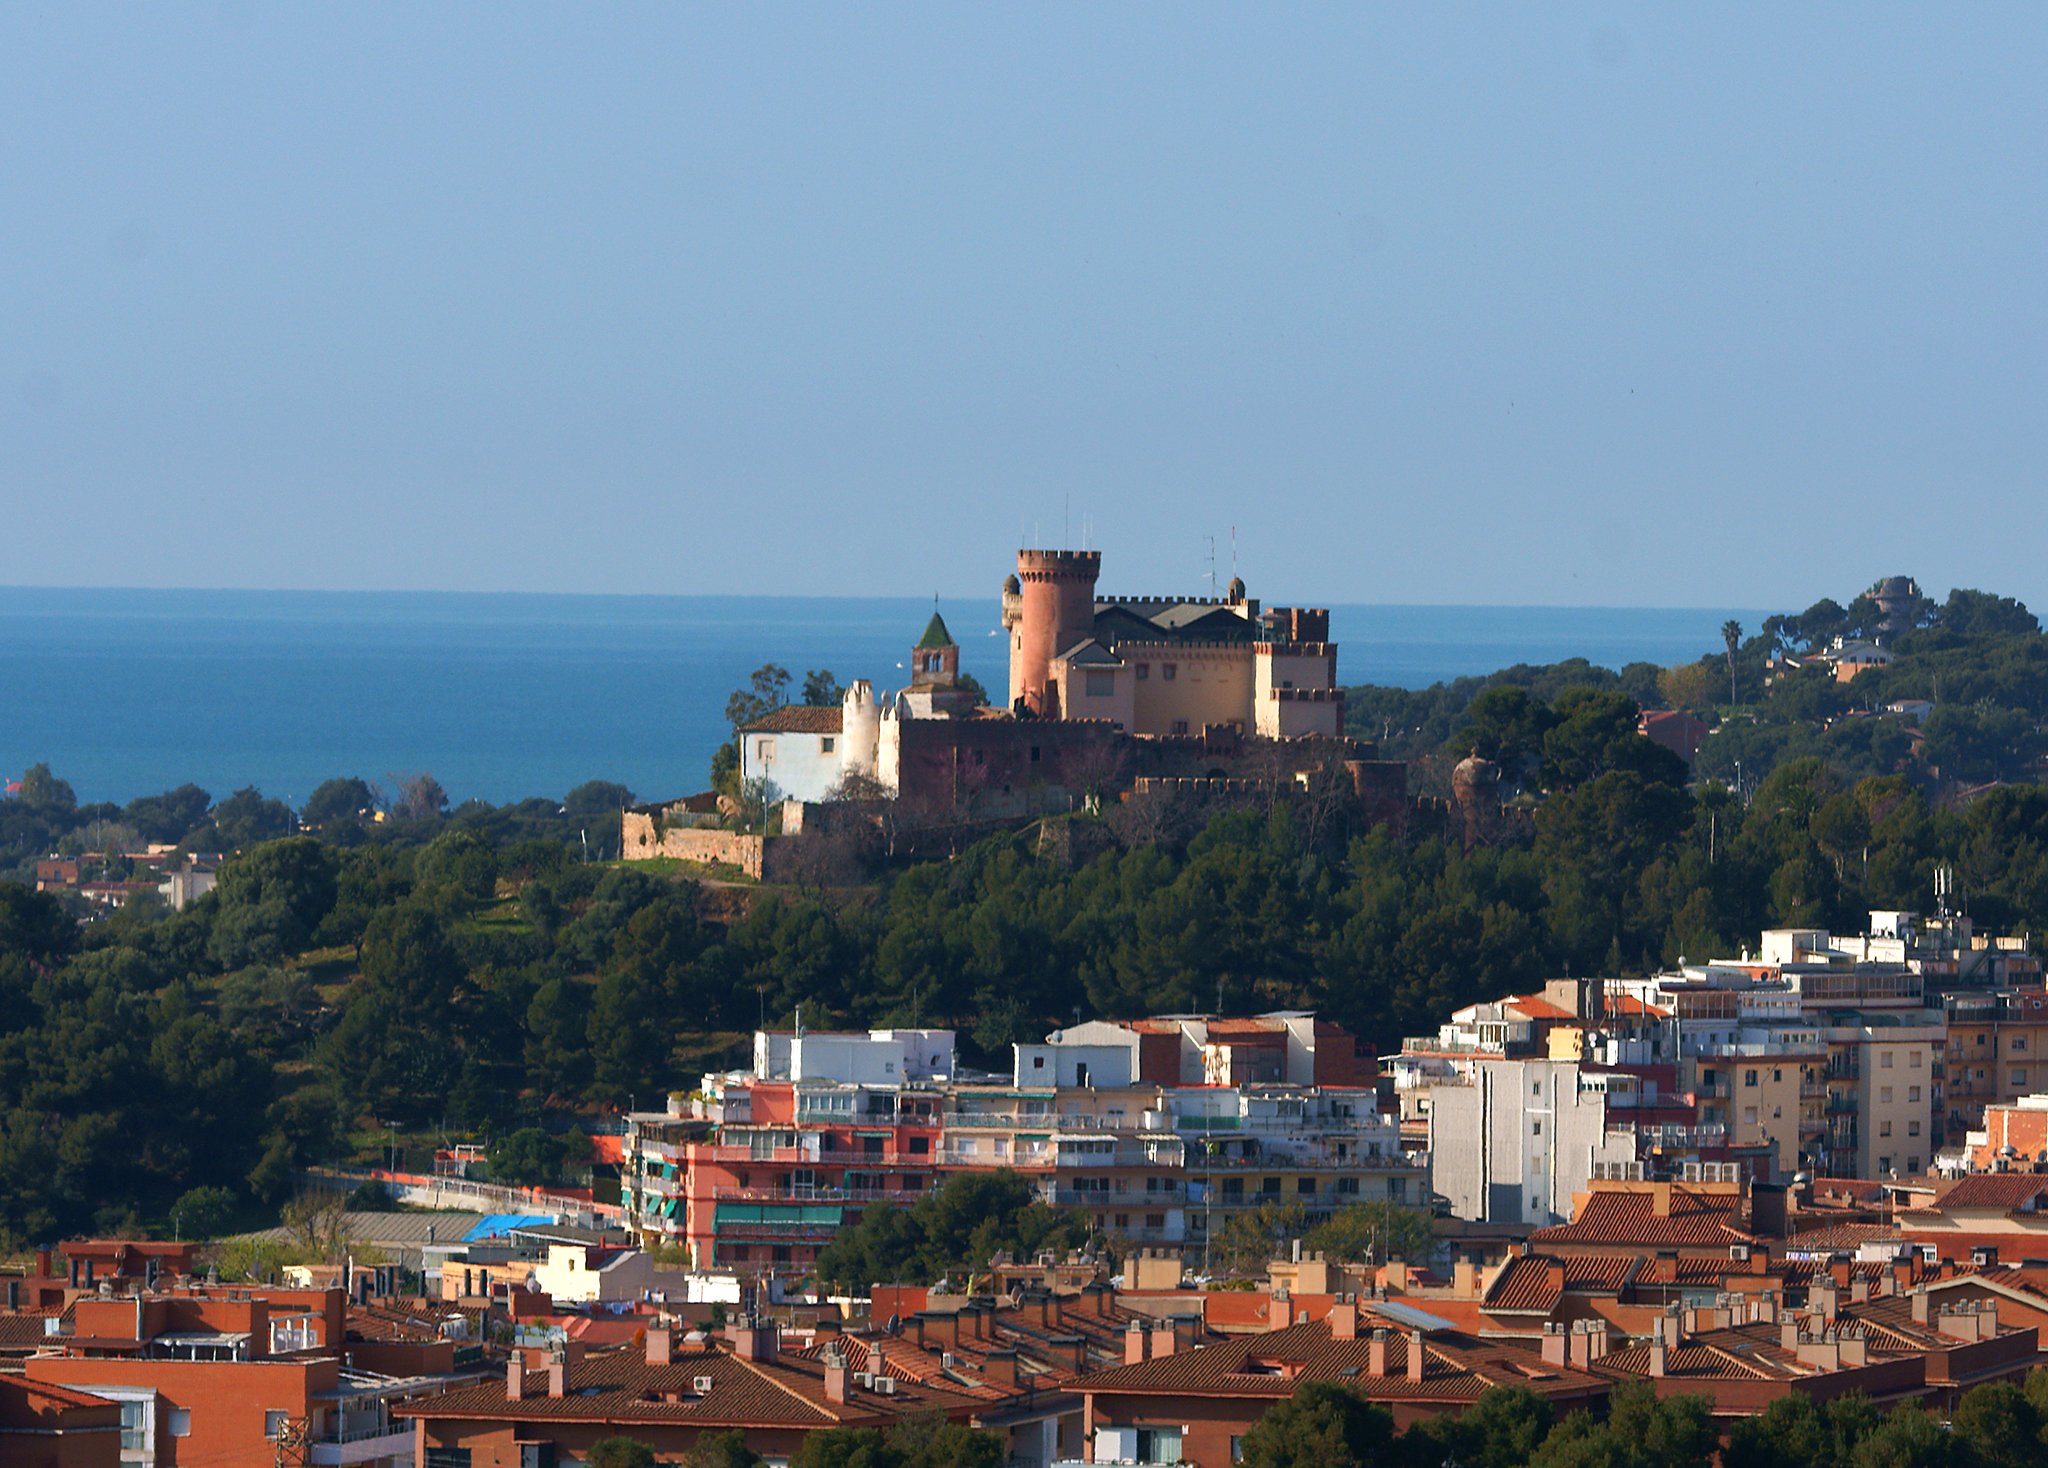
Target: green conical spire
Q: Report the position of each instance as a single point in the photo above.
(935, 634)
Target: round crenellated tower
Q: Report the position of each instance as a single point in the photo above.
(1054, 609)
(860, 728)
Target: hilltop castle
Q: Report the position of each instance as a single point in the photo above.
(1165, 665)
(1103, 692)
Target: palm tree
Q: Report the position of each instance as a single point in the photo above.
(1731, 633)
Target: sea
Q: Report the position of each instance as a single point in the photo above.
(505, 696)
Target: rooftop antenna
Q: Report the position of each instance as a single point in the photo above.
(1212, 563)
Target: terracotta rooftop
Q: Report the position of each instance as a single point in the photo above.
(1456, 1366)
(620, 1387)
(1534, 1282)
(1632, 1219)
(2006, 1191)
(796, 718)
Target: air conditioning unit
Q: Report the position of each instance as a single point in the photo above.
(886, 1385)
(1739, 1253)
(864, 1379)
(700, 1384)
(948, 1360)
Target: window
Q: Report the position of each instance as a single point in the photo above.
(1884, 1128)
(2019, 1043)
(1347, 1185)
(1749, 1079)
(1913, 1056)
(1777, 1075)
(1101, 685)
(1535, 1088)
(1884, 1061)
(181, 1422)
(1912, 1093)
(273, 1424)
(1233, 1187)
(1537, 1128)
(1237, 1450)
(1144, 671)
(1884, 1164)
(764, 749)
(1912, 1164)
(1270, 1186)
(1034, 754)
(825, 745)
(1749, 1116)
(1168, 670)
(933, 663)
(1158, 1445)
(1304, 1185)
(1912, 1128)
(920, 1145)
(447, 1458)
(2019, 1078)
(1884, 1095)
(1038, 1062)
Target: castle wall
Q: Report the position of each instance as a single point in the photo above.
(1182, 688)
(1294, 690)
(1079, 702)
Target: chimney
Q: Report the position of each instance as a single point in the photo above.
(1376, 1352)
(838, 1378)
(1415, 1355)
(940, 1328)
(1187, 1329)
(658, 1345)
(1919, 1298)
(1096, 1298)
(1280, 1311)
(1859, 1291)
(515, 1378)
(1556, 1349)
(999, 1367)
(1163, 1341)
(1137, 1344)
(1788, 1332)
(1070, 1351)
(1854, 1350)
(754, 1339)
(558, 1377)
(1464, 1279)
(1344, 1320)
(1660, 1200)
(1824, 1300)
(1579, 1346)
(42, 1264)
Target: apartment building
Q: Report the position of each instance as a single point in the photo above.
(1159, 1129)
(215, 1376)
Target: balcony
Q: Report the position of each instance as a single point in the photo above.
(795, 1194)
(385, 1443)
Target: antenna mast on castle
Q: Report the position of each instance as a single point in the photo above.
(1212, 564)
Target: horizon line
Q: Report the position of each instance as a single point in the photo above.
(7, 587)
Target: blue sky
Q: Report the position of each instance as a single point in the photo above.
(1715, 305)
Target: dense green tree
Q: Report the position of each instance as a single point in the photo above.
(721, 1450)
(619, 1452)
(1639, 1431)
(1321, 1426)
(1502, 1429)
(246, 817)
(271, 899)
(344, 802)
(170, 816)
(597, 798)
(955, 1228)
(43, 791)
(1376, 1232)
(821, 689)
